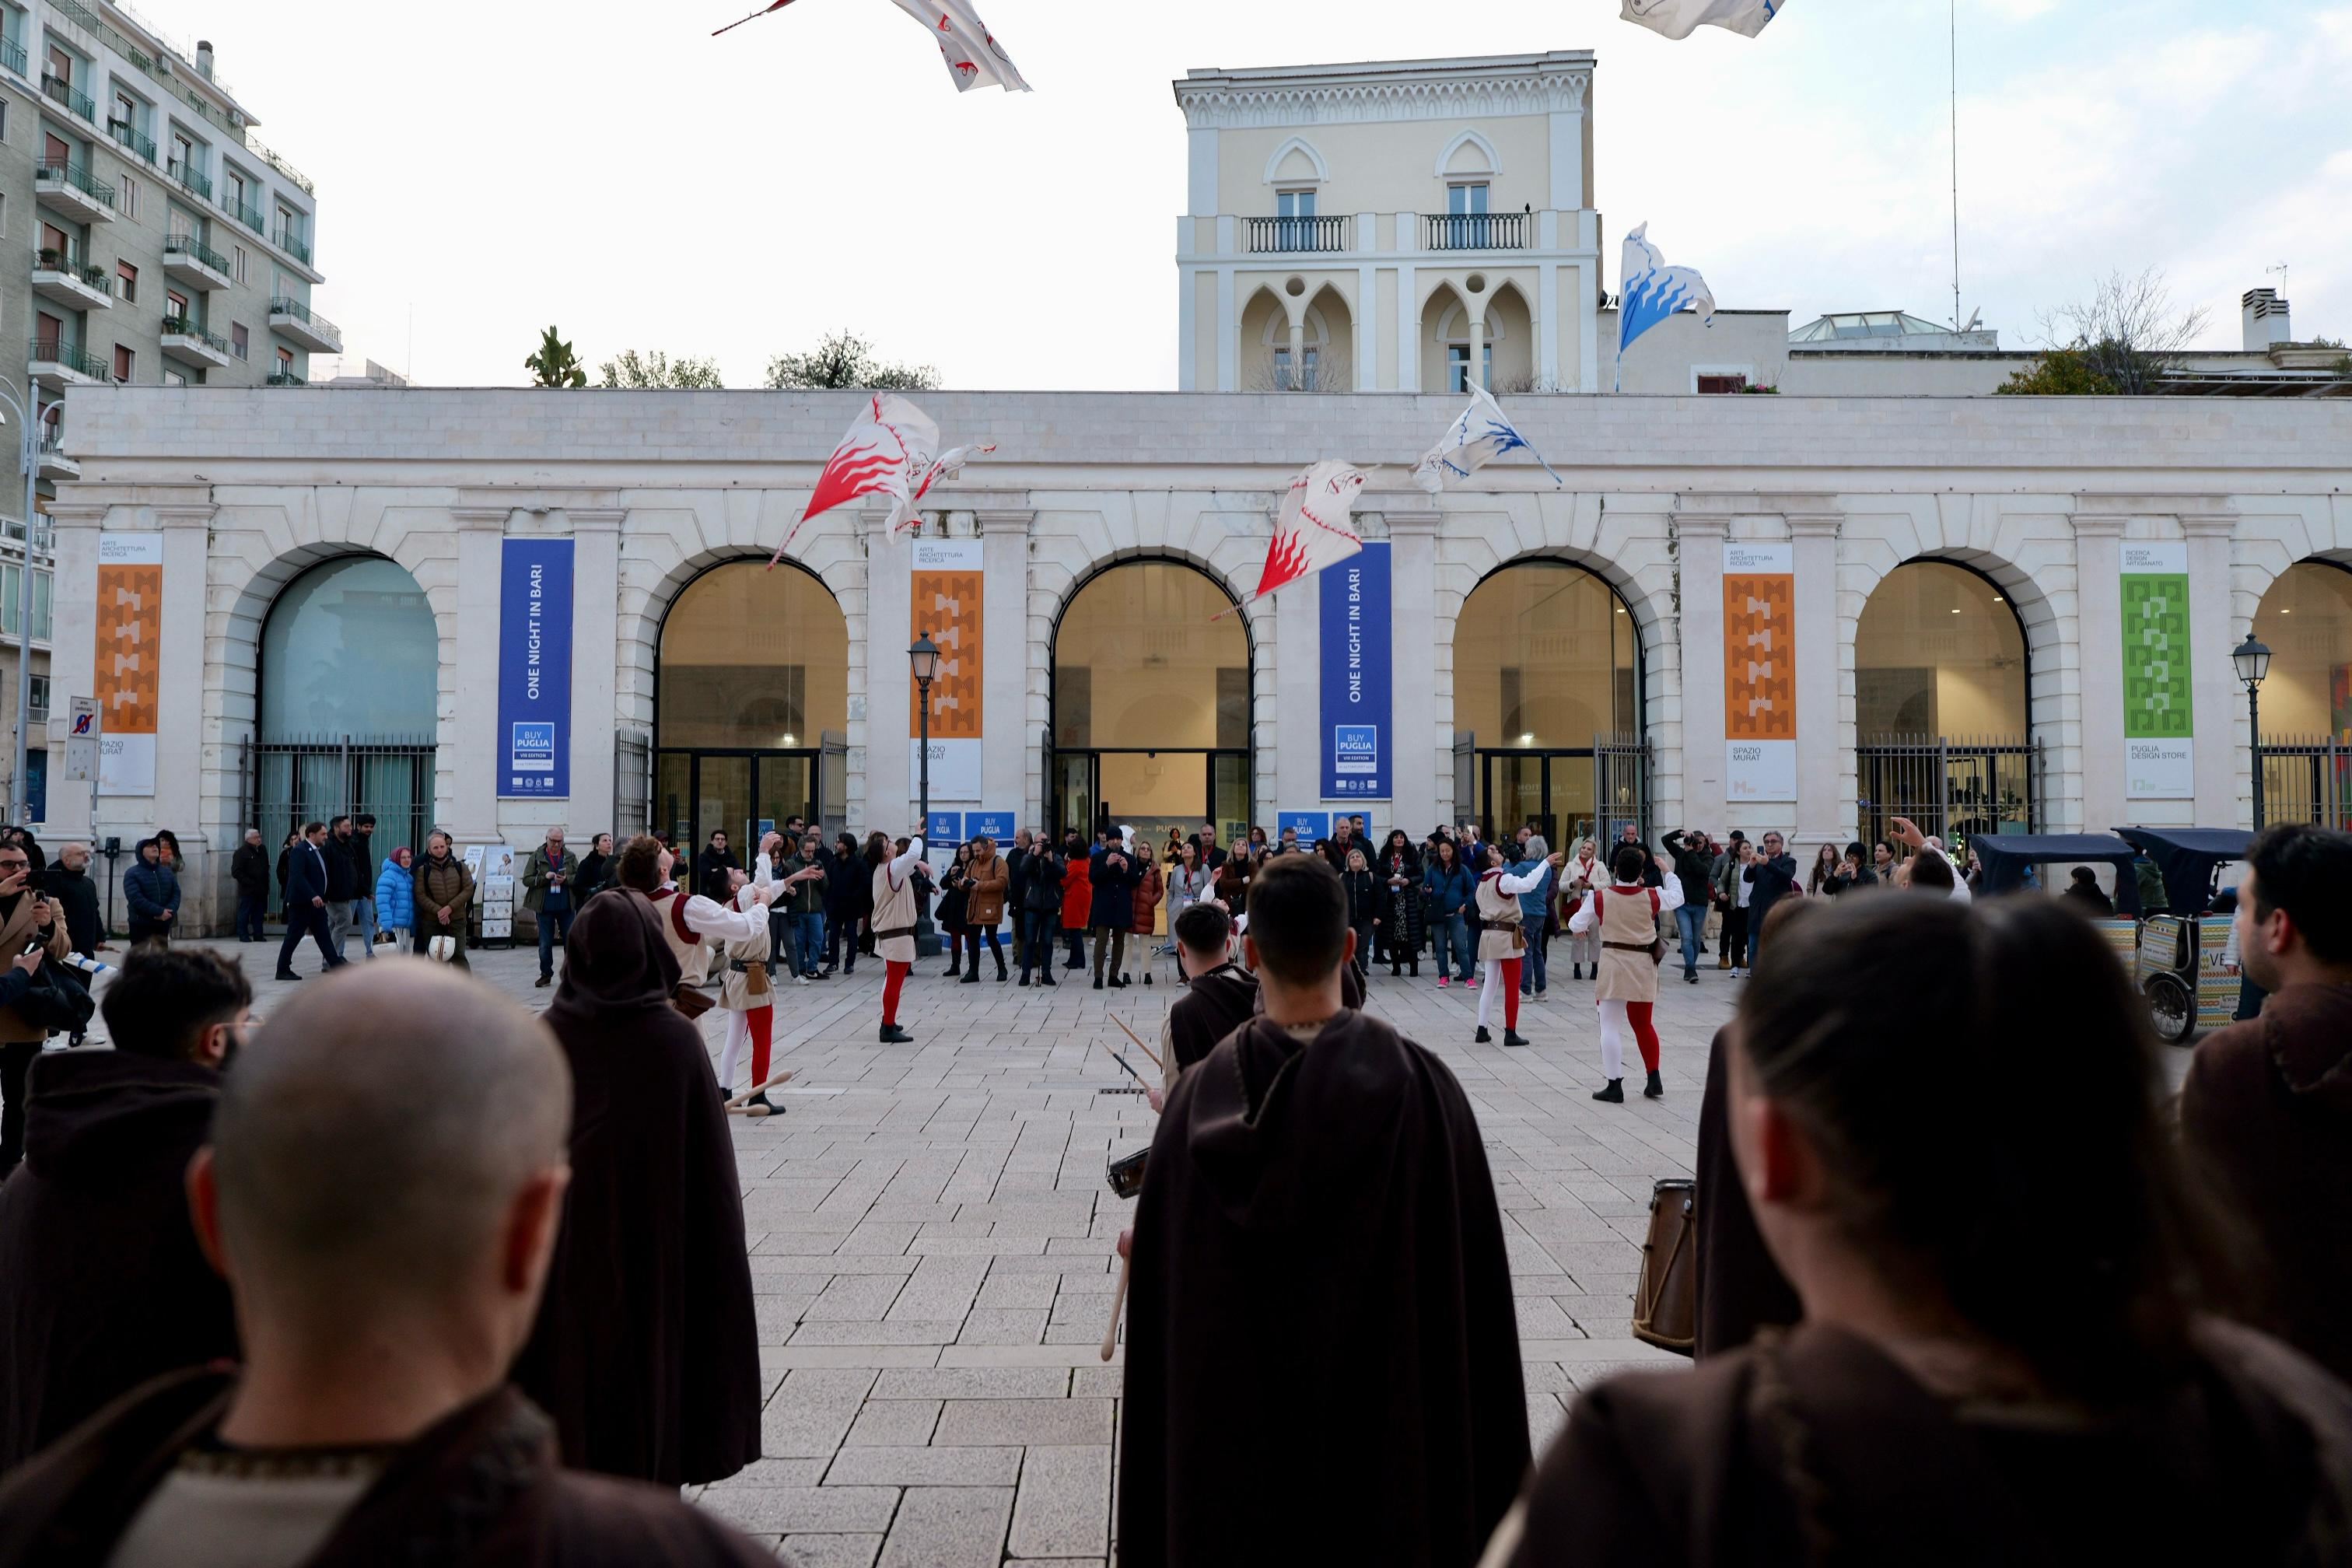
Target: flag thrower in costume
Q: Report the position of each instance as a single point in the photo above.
(1650, 292)
(1480, 436)
(892, 451)
(973, 56)
(1676, 18)
(1313, 528)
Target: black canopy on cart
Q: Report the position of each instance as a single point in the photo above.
(2187, 856)
(2005, 857)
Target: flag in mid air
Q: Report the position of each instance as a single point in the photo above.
(1475, 439)
(1676, 18)
(1650, 292)
(973, 56)
(1314, 527)
(891, 450)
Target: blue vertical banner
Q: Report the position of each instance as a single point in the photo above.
(535, 669)
(1359, 717)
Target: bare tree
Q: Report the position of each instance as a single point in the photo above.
(844, 358)
(2127, 334)
(1327, 371)
(655, 369)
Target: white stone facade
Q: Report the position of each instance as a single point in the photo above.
(248, 488)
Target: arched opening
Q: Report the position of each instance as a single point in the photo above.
(347, 702)
(1943, 720)
(750, 706)
(1150, 704)
(2305, 620)
(1547, 689)
(1511, 339)
(1446, 342)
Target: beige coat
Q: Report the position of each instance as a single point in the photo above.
(15, 935)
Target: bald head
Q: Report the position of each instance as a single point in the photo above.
(371, 1147)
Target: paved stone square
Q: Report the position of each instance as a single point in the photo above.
(931, 1239)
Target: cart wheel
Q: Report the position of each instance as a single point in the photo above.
(2170, 1007)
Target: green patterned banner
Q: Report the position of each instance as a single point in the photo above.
(2158, 760)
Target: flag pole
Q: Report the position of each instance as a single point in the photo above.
(1954, 19)
(754, 17)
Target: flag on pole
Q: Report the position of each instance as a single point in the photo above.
(754, 17)
(972, 54)
(1313, 528)
(1480, 436)
(946, 466)
(1676, 18)
(1650, 292)
(889, 451)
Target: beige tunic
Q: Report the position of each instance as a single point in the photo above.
(1626, 916)
(693, 954)
(894, 905)
(741, 990)
(1498, 903)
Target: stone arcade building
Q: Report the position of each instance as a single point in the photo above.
(299, 596)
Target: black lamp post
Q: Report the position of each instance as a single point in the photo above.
(2254, 662)
(923, 657)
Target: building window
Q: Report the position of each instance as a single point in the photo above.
(1282, 381)
(1457, 366)
(126, 278)
(286, 362)
(1466, 200)
(173, 378)
(127, 190)
(125, 361)
(175, 306)
(38, 699)
(1713, 384)
(12, 583)
(1296, 211)
(236, 339)
(3, 120)
(240, 272)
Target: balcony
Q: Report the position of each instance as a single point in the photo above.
(1282, 235)
(189, 260)
(185, 341)
(63, 276)
(68, 188)
(54, 463)
(59, 363)
(60, 90)
(292, 319)
(1474, 231)
(192, 180)
(293, 245)
(286, 378)
(131, 140)
(249, 216)
(12, 55)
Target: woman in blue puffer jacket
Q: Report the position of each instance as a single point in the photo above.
(396, 898)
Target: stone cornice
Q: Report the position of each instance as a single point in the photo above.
(1692, 507)
(185, 514)
(1405, 89)
(1405, 511)
(595, 519)
(2100, 524)
(480, 519)
(2211, 524)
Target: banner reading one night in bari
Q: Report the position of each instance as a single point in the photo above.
(129, 623)
(1760, 686)
(2160, 762)
(944, 602)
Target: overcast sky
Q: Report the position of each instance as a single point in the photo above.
(487, 168)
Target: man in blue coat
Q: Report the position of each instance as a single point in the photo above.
(306, 901)
(1112, 873)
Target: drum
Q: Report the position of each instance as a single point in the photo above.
(1666, 1296)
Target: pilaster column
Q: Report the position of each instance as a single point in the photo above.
(1298, 615)
(2224, 770)
(596, 662)
(1698, 559)
(889, 701)
(466, 792)
(1421, 769)
(73, 648)
(180, 655)
(1821, 814)
(2099, 637)
(1005, 677)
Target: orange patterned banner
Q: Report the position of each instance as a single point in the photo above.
(944, 590)
(1760, 684)
(130, 627)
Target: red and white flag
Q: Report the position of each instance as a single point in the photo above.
(1314, 527)
(973, 56)
(891, 450)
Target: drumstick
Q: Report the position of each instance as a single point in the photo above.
(1140, 1046)
(1125, 1065)
(1117, 1299)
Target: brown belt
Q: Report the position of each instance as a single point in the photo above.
(1629, 946)
(886, 935)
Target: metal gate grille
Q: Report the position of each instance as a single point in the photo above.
(633, 786)
(2307, 780)
(1952, 787)
(289, 782)
(1620, 785)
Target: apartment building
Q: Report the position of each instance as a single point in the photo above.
(146, 238)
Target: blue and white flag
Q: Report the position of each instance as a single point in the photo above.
(1650, 292)
(1676, 18)
(1475, 439)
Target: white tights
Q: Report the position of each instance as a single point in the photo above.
(1612, 1038)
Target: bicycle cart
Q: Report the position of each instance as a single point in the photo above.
(2182, 963)
(2006, 857)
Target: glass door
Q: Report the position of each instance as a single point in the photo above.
(1515, 792)
(1074, 791)
(784, 793)
(723, 804)
(1229, 793)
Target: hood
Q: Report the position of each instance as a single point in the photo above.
(90, 1113)
(1304, 1135)
(2307, 1034)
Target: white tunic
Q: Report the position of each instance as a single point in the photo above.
(687, 917)
(894, 905)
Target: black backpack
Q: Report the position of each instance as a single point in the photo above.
(57, 1001)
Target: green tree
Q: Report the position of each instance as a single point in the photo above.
(657, 369)
(555, 365)
(844, 358)
(2061, 373)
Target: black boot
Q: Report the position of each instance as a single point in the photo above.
(892, 1035)
(1576, 972)
(760, 1105)
(971, 975)
(1613, 1091)
(1655, 1089)
(1024, 977)
(1482, 1037)
(1513, 1037)
(1000, 969)
(955, 968)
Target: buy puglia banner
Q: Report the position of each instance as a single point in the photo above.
(2159, 758)
(1759, 677)
(129, 625)
(944, 602)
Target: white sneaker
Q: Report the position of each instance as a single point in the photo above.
(1738, 973)
(802, 980)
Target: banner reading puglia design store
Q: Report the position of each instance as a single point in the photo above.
(2159, 759)
(1358, 697)
(535, 669)
(1760, 684)
(129, 623)
(944, 601)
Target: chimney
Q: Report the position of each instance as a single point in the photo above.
(2264, 315)
(204, 58)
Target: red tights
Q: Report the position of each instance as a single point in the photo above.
(763, 1030)
(894, 976)
(1645, 1033)
(1511, 992)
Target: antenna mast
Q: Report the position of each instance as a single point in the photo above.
(1954, 18)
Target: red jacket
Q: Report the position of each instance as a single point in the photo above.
(1146, 895)
(1078, 894)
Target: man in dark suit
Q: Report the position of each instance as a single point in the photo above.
(306, 900)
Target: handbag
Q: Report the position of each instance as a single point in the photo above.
(691, 1002)
(55, 1000)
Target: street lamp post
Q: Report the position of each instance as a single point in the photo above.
(923, 658)
(2254, 661)
(20, 787)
